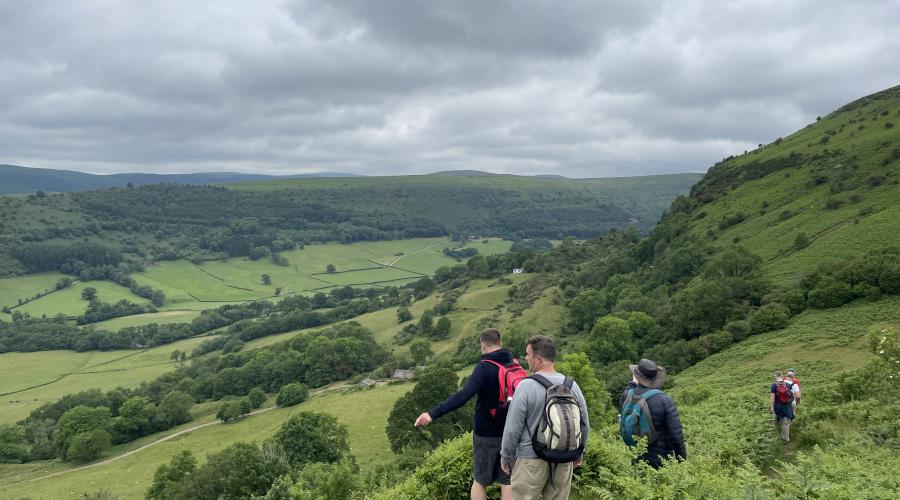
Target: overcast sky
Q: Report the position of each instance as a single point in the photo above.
(380, 87)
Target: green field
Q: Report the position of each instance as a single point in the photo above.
(162, 317)
(24, 287)
(69, 302)
(130, 476)
(53, 374)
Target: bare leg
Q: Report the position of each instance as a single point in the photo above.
(479, 491)
(505, 492)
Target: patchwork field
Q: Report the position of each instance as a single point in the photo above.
(130, 476)
(33, 378)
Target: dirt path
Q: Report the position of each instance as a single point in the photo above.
(161, 440)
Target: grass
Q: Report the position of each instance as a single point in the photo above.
(69, 302)
(845, 166)
(66, 372)
(132, 475)
(819, 343)
(25, 287)
(163, 317)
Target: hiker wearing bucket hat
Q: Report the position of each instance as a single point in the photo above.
(667, 436)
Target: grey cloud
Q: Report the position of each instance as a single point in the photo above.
(583, 89)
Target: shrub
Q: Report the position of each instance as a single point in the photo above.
(309, 437)
(801, 241)
(833, 204)
(87, 446)
(292, 394)
(829, 293)
(769, 317)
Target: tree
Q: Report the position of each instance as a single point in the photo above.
(135, 419)
(169, 478)
(232, 410)
(87, 446)
(256, 397)
(237, 472)
(442, 329)
(174, 409)
(435, 385)
(13, 447)
(266, 279)
(77, 420)
(611, 340)
(426, 323)
(403, 315)
(420, 349)
(89, 293)
(158, 298)
(176, 355)
(292, 394)
(578, 367)
(585, 308)
(309, 437)
(330, 269)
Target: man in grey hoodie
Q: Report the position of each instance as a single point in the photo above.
(531, 476)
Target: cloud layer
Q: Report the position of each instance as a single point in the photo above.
(583, 89)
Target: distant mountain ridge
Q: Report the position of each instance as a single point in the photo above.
(15, 179)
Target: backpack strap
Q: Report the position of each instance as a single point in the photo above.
(568, 383)
(649, 394)
(541, 380)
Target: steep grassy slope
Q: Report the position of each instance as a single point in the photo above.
(836, 181)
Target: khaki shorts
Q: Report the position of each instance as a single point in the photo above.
(531, 479)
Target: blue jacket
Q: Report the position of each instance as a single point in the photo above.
(485, 383)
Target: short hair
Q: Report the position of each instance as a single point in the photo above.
(543, 346)
(789, 374)
(778, 373)
(490, 336)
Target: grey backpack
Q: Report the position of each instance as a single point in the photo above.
(558, 438)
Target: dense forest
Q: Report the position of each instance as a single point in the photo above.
(43, 232)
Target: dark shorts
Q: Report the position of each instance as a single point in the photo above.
(486, 460)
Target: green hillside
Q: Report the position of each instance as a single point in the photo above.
(835, 181)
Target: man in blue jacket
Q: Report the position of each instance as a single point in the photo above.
(484, 382)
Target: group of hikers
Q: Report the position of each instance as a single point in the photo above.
(530, 431)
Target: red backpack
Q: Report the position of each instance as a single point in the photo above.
(784, 393)
(509, 376)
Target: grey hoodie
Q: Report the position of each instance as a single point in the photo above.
(525, 414)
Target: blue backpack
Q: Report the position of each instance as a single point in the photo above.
(635, 420)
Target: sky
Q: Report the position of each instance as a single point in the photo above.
(390, 87)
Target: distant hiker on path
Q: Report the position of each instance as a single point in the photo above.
(791, 376)
(782, 399)
(648, 412)
(546, 429)
(494, 380)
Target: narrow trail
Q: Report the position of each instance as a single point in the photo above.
(161, 440)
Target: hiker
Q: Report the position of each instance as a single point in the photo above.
(782, 399)
(791, 376)
(541, 453)
(497, 368)
(665, 436)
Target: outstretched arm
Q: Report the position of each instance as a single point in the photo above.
(461, 397)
